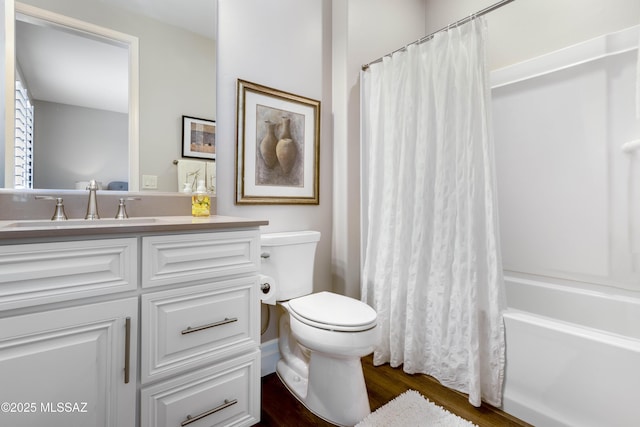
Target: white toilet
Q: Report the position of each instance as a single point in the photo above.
(322, 335)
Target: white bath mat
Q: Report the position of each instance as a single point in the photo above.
(412, 409)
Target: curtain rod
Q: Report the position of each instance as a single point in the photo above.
(455, 24)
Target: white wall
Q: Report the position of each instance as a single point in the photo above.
(363, 30)
(285, 45)
(65, 137)
(318, 54)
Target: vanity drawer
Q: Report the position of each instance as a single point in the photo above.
(189, 327)
(173, 259)
(225, 394)
(41, 273)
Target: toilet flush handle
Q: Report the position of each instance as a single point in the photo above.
(265, 255)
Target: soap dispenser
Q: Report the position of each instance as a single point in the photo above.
(200, 201)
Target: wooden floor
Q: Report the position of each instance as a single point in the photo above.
(281, 409)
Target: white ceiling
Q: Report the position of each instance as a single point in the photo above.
(85, 72)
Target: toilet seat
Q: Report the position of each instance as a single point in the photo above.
(326, 310)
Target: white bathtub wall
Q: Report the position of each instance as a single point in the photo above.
(569, 198)
(569, 203)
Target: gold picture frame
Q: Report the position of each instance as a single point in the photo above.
(277, 146)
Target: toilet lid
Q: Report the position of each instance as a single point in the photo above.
(331, 311)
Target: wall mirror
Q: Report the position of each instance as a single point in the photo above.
(175, 77)
(80, 83)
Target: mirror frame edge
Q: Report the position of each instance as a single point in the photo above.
(134, 112)
(9, 84)
(13, 7)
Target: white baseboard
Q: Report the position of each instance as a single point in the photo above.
(270, 356)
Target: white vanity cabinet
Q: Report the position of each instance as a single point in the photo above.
(200, 340)
(146, 326)
(68, 365)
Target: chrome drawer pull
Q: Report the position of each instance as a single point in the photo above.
(127, 349)
(211, 325)
(191, 419)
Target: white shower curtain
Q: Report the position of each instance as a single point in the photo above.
(432, 265)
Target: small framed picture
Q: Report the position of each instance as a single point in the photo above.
(198, 138)
(277, 147)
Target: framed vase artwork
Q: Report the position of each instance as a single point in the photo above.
(198, 138)
(277, 146)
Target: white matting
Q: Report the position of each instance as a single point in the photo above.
(412, 409)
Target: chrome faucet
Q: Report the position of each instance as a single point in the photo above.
(92, 206)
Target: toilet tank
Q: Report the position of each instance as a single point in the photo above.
(289, 257)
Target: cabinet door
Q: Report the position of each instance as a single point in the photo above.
(70, 367)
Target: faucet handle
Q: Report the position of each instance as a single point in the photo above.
(59, 214)
(122, 208)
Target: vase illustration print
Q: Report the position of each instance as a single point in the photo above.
(268, 145)
(286, 128)
(286, 149)
(287, 152)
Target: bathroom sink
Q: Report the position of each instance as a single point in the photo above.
(82, 223)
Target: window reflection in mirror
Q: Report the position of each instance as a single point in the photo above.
(23, 140)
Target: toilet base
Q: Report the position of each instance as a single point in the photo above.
(335, 390)
(296, 384)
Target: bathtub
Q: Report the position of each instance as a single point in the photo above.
(573, 355)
